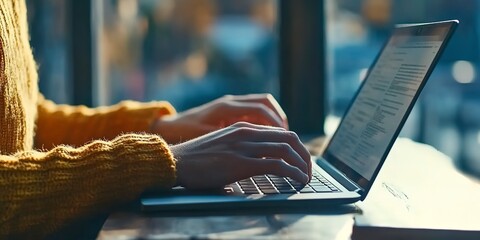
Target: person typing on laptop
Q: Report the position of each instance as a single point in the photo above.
(59, 163)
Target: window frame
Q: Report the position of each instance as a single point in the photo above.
(302, 64)
(81, 36)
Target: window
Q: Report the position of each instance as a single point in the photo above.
(192, 51)
(187, 52)
(447, 115)
(49, 41)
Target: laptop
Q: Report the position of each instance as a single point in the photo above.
(346, 170)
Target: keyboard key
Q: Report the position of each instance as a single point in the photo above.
(282, 184)
(284, 187)
(321, 189)
(263, 177)
(262, 181)
(264, 185)
(251, 191)
(317, 185)
(246, 182)
(307, 190)
(288, 191)
(298, 185)
(267, 188)
(270, 191)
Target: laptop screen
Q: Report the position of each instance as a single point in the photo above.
(382, 104)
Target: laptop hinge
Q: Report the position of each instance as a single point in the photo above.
(339, 176)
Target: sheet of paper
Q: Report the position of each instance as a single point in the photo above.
(419, 187)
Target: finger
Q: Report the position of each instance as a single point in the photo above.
(255, 126)
(275, 136)
(276, 151)
(278, 167)
(266, 99)
(231, 133)
(254, 112)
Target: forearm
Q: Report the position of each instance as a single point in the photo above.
(62, 124)
(43, 190)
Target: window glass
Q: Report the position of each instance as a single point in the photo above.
(185, 51)
(47, 23)
(447, 115)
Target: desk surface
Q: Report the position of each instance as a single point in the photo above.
(418, 188)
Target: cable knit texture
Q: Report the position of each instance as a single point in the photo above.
(73, 175)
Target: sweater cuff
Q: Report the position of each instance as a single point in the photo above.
(154, 159)
(139, 117)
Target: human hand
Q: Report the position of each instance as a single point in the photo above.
(260, 109)
(240, 151)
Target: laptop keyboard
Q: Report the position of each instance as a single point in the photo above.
(271, 184)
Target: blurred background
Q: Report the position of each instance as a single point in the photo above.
(192, 51)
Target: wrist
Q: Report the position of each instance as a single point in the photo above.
(165, 127)
(178, 164)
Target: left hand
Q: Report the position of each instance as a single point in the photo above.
(261, 109)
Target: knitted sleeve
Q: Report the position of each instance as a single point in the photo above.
(77, 125)
(40, 191)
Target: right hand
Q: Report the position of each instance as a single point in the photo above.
(260, 109)
(240, 151)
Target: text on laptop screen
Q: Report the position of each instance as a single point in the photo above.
(373, 119)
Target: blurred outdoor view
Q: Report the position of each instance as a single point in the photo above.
(187, 52)
(192, 51)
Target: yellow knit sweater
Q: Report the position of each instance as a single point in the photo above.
(41, 190)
